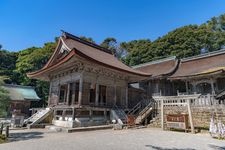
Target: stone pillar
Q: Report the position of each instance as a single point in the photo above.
(80, 90)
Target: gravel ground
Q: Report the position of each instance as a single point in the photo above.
(132, 139)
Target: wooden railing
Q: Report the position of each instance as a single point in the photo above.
(196, 100)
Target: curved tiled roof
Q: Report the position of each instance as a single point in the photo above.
(159, 68)
(91, 52)
(209, 63)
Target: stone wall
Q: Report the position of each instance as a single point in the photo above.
(201, 115)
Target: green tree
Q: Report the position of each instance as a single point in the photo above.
(89, 39)
(4, 99)
(33, 59)
(7, 65)
(112, 44)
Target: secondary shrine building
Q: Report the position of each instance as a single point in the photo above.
(86, 82)
(203, 74)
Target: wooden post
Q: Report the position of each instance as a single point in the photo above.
(73, 93)
(1, 128)
(162, 114)
(114, 85)
(126, 100)
(97, 94)
(7, 131)
(63, 115)
(186, 85)
(190, 115)
(73, 113)
(105, 115)
(49, 94)
(90, 114)
(212, 86)
(68, 94)
(80, 90)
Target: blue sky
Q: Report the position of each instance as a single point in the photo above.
(26, 23)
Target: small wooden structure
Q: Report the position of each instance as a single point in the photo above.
(170, 101)
(21, 98)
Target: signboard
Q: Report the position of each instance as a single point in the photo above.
(177, 121)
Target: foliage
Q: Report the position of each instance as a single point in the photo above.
(7, 65)
(89, 39)
(4, 99)
(112, 44)
(182, 42)
(32, 59)
(3, 138)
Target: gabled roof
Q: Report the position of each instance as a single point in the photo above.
(201, 65)
(91, 52)
(19, 92)
(159, 68)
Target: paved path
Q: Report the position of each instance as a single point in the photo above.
(132, 139)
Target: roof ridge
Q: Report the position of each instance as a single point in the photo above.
(18, 86)
(155, 62)
(209, 54)
(69, 35)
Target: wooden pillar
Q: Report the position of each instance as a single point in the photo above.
(186, 85)
(212, 86)
(90, 114)
(97, 94)
(73, 113)
(50, 93)
(80, 90)
(194, 87)
(190, 116)
(162, 114)
(114, 85)
(68, 94)
(105, 115)
(63, 115)
(126, 99)
(54, 114)
(73, 92)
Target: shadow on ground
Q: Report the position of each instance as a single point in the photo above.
(24, 136)
(217, 147)
(163, 148)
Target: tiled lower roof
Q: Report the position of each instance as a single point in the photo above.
(18, 92)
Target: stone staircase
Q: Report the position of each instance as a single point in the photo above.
(39, 116)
